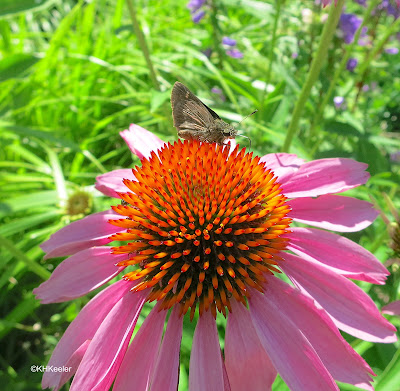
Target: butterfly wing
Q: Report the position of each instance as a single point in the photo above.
(188, 111)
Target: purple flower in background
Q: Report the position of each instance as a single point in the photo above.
(234, 53)
(395, 157)
(195, 5)
(365, 88)
(196, 17)
(391, 8)
(392, 50)
(324, 2)
(361, 2)
(338, 102)
(349, 23)
(229, 41)
(219, 92)
(351, 64)
(195, 9)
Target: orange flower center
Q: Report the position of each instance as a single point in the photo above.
(202, 224)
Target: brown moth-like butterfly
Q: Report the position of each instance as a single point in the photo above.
(195, 120)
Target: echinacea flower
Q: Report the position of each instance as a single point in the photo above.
(392, 308)
(208, 228)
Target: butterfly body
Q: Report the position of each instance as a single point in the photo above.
(195, 120)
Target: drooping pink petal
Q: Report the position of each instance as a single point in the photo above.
(342, 362)
(73, 364)
(206, 371)
(140, 141)
(325, 176)
(392, 308)
(338, 253)
(337, 213)
(108, 346)
(83, 328)
(92, 230)
(289, 350)
(247, 363)
(350, 307)
(80, 274)
(284, 165)
(137, 366)
(227, 386)
(166, 371)
(111, 182)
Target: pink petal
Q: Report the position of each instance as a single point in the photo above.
(73, 364)
(140, 141)
(206, 371)
(326, 176)
(83, 328)
(166, 372)
(392, 308)
(337, 213)
(289, 350)
(246, 361)
(342, 362)
(349, 306)
(111, 182)
(139, 361)
(227, 386)
(80, 274)
(107, 349)
(92, 230)
(284, 165)
(338, 253)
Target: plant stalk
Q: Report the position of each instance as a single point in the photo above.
(315, 69)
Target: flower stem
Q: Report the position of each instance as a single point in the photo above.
(216, 34)
(142, 43)
(273, 39)
(315, 69)
(320, 111)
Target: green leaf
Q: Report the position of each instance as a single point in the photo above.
(27, 202)
(390, 378)
(17, 314)
(342, 129)
(12, 7)
(157, 99)
(15, 65)
(22, 257)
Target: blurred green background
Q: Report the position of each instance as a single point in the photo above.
(73, 74)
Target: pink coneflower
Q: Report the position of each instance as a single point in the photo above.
(207, 228)
(392, 308)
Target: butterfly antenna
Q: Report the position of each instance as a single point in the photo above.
(247, 116)
(242, 135)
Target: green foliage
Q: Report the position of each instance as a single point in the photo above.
(72, 76)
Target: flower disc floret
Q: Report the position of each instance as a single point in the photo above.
(202, 224)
